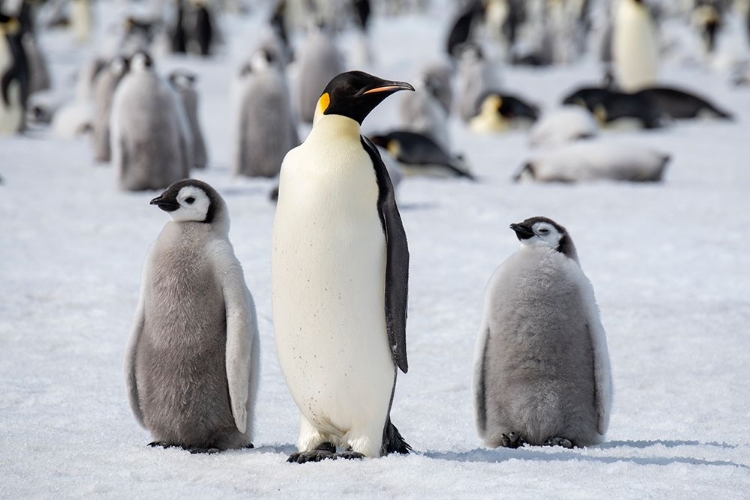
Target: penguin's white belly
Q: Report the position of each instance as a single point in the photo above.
(635, 48)
(329, 257)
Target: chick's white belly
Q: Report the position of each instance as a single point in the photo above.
(329, 313)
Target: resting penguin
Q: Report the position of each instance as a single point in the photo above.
(192, 361)
(340, 269)
(497, 112)
(149, 135)
(566, 124)
(183, 83)
(635, 49)
(265, 126)
(14, 76)
(319, 62)
(542, 373)
(678, 104)
(610, 106)
(104, 90)
(420, 155)
(594, 161)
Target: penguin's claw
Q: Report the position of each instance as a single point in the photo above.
(303, 457)
(350, 455)
(250, 446)
(154, 444)
(511, 440)
(559, 441)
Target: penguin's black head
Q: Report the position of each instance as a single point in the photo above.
(190, 200)
(355, 94)
(542, 232)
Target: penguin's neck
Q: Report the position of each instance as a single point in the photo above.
(334, 126)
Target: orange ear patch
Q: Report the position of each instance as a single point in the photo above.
(323, 102)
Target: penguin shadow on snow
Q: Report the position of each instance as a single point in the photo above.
(487, 455)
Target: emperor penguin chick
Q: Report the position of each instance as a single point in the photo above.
(319, 61)
(150, 139)
(542, 372)
(265, 127)
(340, 271)
(104, 90)
(192, 361)
(183, 83)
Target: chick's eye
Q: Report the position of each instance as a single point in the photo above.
(543, 231)
(189, 200)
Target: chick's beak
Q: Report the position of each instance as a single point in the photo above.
(166, 205)
(522, 232)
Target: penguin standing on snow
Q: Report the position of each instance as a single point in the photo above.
(183, 83)
(14, 76)
(319, 62)
(204, 30)
(542, 372)
(104, 90)
(150, 139)
(192, 362)
(340, 270)
(635, 49)
(265, 126)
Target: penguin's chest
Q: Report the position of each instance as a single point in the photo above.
(329, 257)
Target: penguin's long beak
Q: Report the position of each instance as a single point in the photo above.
(522, 232)
(166, 205)
(388, 87)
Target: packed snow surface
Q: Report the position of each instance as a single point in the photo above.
(669, 263)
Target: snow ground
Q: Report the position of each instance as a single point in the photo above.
(669, 264)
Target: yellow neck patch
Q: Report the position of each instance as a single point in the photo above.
(323, 103)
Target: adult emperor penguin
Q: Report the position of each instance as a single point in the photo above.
(104, 90)
(183, 83)
(14, 76)
(542, 372)
(340, 271)
(150, 139)
(635, 49)
(192, 361)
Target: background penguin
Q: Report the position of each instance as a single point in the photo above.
(421, 112)
(497, 112)
(420, 155)
(340, 270)
(463, 25)
(183, 82)
(204, 31)
(39, 78)
(678, 104)
(566, 124)
(192, 361)
(319, 62)
(635, 49)
(150, 139)
(610, 106)
(477, 76)
(179, 36)
(596, 160)
(265, 126)
(542, 372)
(439, 78)
(14, 76)
(80, 15)
(104, 90)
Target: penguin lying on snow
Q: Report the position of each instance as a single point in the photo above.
(150, 136)
(192, 362)
(542, 372)
(610, 106)
(596, 160)
(497, 112)
(678, 104)
(340, 270)
(567, 124)
(419, 154)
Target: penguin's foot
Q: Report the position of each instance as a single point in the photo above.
(322, 452)
(511, 440)
(154, 444)
(558, 441)
(207, 451)
(350, 454)
(250, 446)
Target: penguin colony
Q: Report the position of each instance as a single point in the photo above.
(340, 258)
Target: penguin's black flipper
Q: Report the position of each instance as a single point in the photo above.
(397, 260)
(393, 442)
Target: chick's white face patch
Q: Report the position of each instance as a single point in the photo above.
(194, 203)
(545, 235)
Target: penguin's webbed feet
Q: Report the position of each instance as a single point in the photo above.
(323, 451)
(154, 444)
(559, 441)
(207, 451)
(350, 454)
(511, 440)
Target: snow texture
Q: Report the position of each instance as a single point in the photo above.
(669, 263)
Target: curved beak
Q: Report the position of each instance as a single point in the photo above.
(166, 205)
(389, 87)
(522, 232)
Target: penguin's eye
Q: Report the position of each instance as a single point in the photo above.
(544, 231)
(189, 200)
